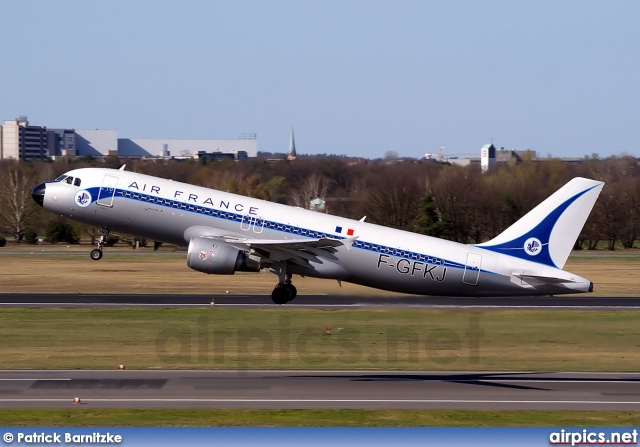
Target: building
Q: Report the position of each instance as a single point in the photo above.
(95, 142)
(61, 142)
(239, 155)
(512, 157)
(19, 140)
(168, 147)
(487, 157)
(490, 157)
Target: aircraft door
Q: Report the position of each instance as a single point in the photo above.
(258, 225)
(245, 225)
(252, 222)
(472, 269)
(107, 191)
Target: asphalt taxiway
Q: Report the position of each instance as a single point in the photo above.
(321, 389)
(321, 301)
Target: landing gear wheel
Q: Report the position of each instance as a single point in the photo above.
(96, 254)
(281, 294)
(292, 290)
(284, 291)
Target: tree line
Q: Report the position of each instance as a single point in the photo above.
(423, 196)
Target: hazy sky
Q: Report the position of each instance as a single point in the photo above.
(352, 77)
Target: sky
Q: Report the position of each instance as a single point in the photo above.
(351, 77)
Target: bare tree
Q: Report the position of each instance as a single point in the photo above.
(313, 187)
(394, 199)
(454, 193)
(16, 206)
(615, 216)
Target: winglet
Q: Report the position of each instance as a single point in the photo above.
(348, 241)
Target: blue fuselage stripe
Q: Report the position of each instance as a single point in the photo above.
(277, 226)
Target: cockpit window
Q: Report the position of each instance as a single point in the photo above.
(68, 179)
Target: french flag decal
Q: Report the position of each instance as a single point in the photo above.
(349, 231)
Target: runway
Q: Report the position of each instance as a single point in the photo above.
(581, 302)
(321, 389)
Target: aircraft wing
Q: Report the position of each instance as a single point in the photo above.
(294, 244)
(298, 250)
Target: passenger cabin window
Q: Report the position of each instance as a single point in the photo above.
(76, 182)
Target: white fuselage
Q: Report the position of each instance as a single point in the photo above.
(380, 257)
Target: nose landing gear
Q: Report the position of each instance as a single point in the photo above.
(96, 253)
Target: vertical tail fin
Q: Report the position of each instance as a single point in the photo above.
(547, 233)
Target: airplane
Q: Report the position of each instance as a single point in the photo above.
(227, 233)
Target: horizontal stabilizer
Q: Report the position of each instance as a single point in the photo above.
(543, 279)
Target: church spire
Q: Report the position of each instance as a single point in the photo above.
(292, 147)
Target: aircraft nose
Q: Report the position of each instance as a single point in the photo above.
(38, 193)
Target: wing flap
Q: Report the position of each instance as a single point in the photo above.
(297, 250)
(291, 244)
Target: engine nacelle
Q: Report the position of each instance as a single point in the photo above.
(215, 257)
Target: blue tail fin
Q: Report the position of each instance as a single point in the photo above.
(548, 232)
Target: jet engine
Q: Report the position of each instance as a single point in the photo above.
(212, 256)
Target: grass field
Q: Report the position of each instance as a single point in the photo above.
(216, 338)
(139, 272)
(81, 417)
(62, 269)
(286, 338)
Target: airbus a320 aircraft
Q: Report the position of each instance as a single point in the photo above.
(228, 233)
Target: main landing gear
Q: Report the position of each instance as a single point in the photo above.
(96, 253)
(285, 291)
